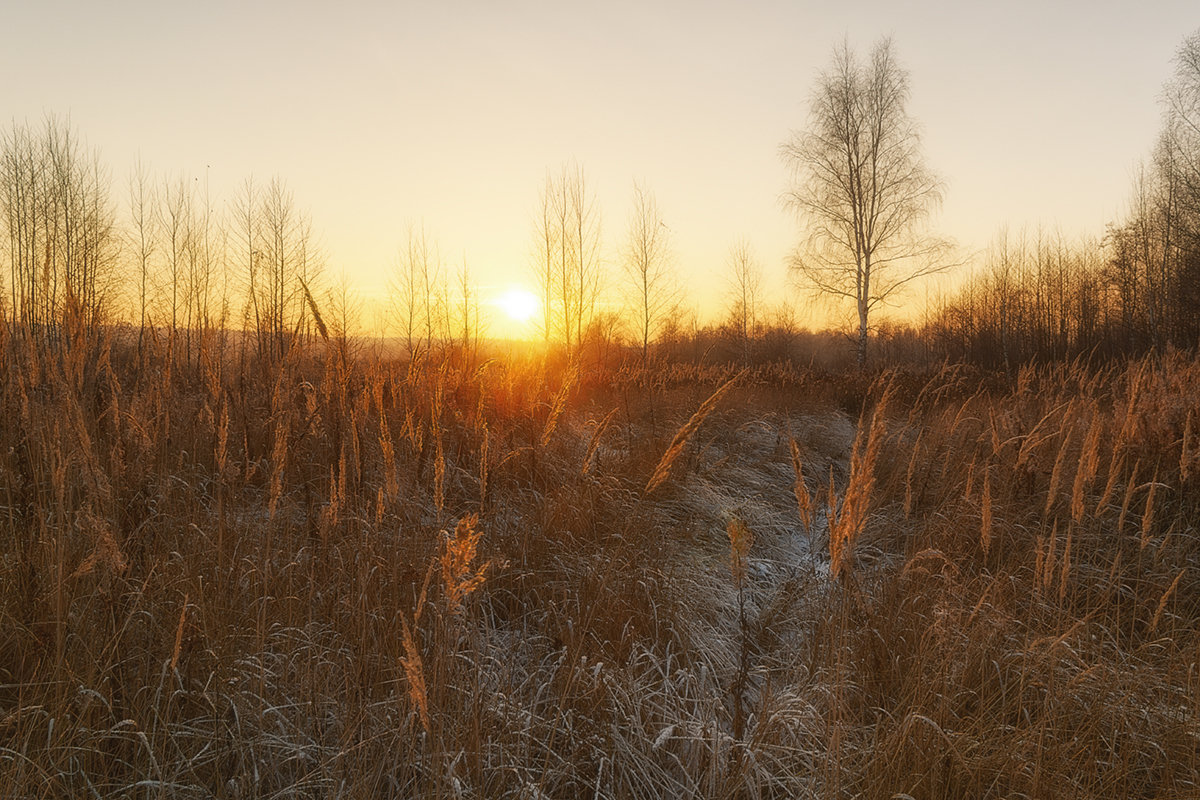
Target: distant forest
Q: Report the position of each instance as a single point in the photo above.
(161, 258)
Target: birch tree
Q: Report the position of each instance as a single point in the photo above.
(650, 284)
(860, 187)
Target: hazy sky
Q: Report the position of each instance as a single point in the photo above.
(382, 114)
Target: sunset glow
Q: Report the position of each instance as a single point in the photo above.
(628, 399)
(329, 102)
(518, 304)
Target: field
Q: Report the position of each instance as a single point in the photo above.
(330, 575)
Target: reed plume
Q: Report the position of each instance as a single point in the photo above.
(1089, 459)
(1130, 487)
(1056, 473)
(909, 496)
(740, 541)
(316, 312)
(439, 463)
(414, 671)
(1065, 569)
(278, 463)
(1185, 454)
(105, 550)
(460, 576)
(558, 405)
(391, 483)
(482, 429)
(594, 442)
(1162, 603)
(175, 651)
(1116, 465)
(844, 532)
(663, 470)
(985, 526)
(1148, 513)
(800, 489)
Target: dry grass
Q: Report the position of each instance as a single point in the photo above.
(663, 469)
(317, 578)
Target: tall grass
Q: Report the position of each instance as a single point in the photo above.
(329, 577)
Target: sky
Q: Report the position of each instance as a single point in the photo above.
(449, 114)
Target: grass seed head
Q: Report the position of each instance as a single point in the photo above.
(460, 576)
(740, 541)
(800, 489)
(414, 671)
(663, 470)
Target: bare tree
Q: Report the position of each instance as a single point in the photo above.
(1182, 101)
(143, 235)
(744, 282)
(545, 249)
(207, 274)
(564, 299)
(586, 270)
(468, 320)
(567, 256)
(274, 247)
(61, 242)
(85, 218)
(175, 221)
(22, 173)
(342, 314)
(647, 263)
(291, 262)
(281, 237)
(860, 187)
(244, 227)
(419, 289)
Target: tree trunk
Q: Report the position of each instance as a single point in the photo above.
(864, 295)
(862, 339)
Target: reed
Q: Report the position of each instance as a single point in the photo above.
(460, 575)
(558, 405)
(414, 672)
(804, 502)
(1147, 527)
(985, 522)
(856, 502)
(1089, 460)
(250, 578)
(1186, 452)
(594, 442)
(662, 470)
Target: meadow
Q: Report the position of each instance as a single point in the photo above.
(335, 574)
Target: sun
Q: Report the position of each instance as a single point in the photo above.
(519, 304)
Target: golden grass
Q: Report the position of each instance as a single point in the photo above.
(740, 542)
(804, 502)
(853, 508)
(460, 575)
(985, 522)
(414, 672)
(662, 471)
(594, 443)
(243, 578)
(1187, 454)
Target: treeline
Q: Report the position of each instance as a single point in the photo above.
(1040, 297)
(166, 263)
(167, 260)
(158, 260)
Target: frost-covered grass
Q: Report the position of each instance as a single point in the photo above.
(246, 579)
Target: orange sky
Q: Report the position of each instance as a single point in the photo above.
(379, 115)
